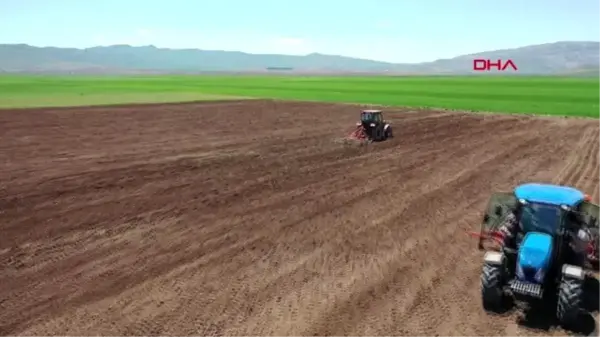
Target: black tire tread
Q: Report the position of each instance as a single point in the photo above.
(379, 134)
(570, 298)
(491, 286)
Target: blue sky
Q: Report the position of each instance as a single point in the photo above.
(389, 30)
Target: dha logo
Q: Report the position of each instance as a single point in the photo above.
(486, 65)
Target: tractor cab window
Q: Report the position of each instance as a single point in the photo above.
(540, 218)
(370, 117)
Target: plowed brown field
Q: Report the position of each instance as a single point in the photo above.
(253, 218)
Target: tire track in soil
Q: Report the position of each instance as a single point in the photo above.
(281, 231)
(408, 291)
(588, 175)
(574, 167)
(508, 150)
(336, 188)
(402, 167)
(583, 171)
(374, 223)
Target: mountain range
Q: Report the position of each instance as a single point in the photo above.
(566, 57)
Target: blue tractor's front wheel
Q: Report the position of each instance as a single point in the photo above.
(570, 296)
(492, 294)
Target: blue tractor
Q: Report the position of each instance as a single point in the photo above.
(543, 260)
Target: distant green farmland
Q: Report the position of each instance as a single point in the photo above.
(567, 96)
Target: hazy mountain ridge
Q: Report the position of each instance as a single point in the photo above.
(548, 58)
(551, 58)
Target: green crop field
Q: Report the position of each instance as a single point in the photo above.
(567, 96)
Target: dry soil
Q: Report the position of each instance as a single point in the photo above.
(254, 218)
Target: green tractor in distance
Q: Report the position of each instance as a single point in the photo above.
(372, 127)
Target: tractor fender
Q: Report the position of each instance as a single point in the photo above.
(387, 130)
(493, 258)
(573, 272)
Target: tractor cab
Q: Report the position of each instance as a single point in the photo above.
(543, 207)
(371, 116)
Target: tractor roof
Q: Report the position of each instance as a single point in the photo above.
(371, 111)
(549, 194)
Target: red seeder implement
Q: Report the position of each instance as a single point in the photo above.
(495, 236)
(358, 134)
